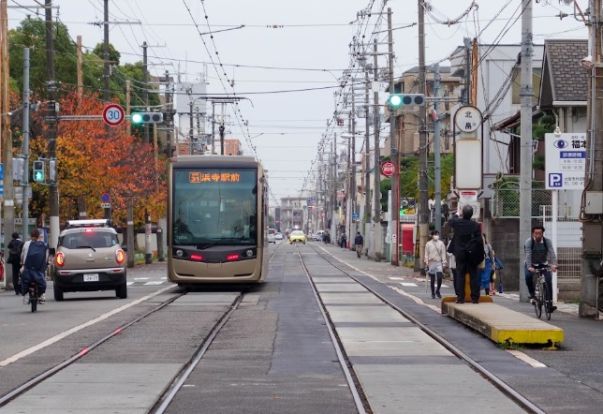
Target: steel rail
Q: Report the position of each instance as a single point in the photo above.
(176, 385)
(506, 389)
(360, 400)
(20, 390)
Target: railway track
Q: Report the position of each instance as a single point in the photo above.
(507, 390)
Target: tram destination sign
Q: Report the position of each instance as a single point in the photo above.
(200, 177)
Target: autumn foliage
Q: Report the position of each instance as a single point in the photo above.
(92, 160)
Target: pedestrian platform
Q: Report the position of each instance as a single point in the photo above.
(503, 325)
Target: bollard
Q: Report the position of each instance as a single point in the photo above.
(161, 256)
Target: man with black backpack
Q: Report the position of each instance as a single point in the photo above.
(539, 251)
(468, 250)
(34, 258)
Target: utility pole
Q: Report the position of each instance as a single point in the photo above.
(423, 147)
(367, 154)
(128, 103)
(6, 136)
(190, 126)
(147, 138)
(525, 172)
(169, 121)
(52, 119)
(436, 150)
(25, 144)
(213, 127)
(376, 128)
(395, 155)
(592, 228)
(333, 208)
(467, 90)
(221, 130)
(79, 72)
(106, 68)
(353, 159)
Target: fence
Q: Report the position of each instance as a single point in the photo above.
(505, 203)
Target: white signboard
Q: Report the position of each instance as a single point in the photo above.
(565, 161)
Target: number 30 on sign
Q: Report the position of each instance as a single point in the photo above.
(113, 114)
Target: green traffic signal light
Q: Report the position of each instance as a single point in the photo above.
(38, 172)
(394, 101)
(136, 118)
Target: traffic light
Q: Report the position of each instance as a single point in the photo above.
(398, 100)
(39, 174)
(139, 118)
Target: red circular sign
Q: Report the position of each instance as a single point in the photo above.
(113, 114)
(387, 168)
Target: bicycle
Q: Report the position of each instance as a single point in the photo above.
(541, 295)
(34, 298)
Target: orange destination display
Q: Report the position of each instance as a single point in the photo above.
(199, 177)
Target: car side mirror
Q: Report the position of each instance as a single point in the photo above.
(125, 248)
(51, 251)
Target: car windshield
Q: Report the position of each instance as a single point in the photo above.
(297, 233)
(86, 239)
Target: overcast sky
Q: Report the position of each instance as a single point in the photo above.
(287, 45)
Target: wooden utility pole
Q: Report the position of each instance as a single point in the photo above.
(525, 171)
(591, 298)
(80, 75)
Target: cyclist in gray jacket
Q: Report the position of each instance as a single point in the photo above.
(539, 251)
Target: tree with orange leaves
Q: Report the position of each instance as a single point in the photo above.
(92, 160)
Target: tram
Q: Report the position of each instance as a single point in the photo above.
(217, 220)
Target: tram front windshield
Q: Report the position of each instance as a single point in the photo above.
(214, 207)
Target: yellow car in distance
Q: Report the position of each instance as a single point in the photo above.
(297, 236)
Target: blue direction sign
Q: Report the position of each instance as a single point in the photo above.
(1, 171)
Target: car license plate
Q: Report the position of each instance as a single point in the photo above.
(90, 277)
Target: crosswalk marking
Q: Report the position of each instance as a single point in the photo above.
(154, 283)
(408, 284)
(130, 283)
(141, 278)
(397, 278)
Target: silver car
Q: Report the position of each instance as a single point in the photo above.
(89, 258)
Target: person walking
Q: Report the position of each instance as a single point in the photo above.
(358, 244)
(435, 260)
(465, 247)
(488, 267)
(14, 258)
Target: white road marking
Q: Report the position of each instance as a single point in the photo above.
(527, 359)
(408, 284)
(163, 278)
(130, 283)
(397, 278)
(141, 278)
(78, 328)
(154, 283)
(349, 265)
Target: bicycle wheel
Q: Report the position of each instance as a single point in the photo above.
(538, 300)
(547, 302)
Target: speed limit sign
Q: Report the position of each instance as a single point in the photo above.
(113, 114)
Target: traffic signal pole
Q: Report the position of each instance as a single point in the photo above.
(52, 123)
(25, 145)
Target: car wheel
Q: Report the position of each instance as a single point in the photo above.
(58, 293)
(122, 291)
